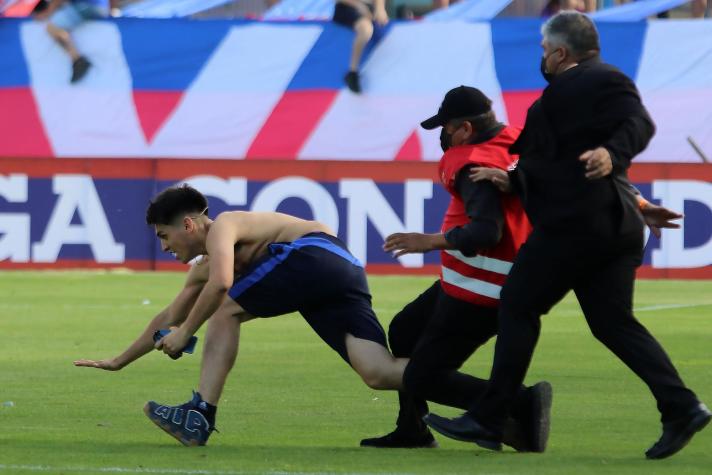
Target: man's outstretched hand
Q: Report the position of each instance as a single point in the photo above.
(658, 217)
(107, 365)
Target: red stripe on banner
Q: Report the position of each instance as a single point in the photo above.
(329, 171)
(517, 104)
(167, 169)
(648, 172)
(134, 264)
(648, 272)
(645, 272)
(23, 134)
(389, 172)
(291, 123)
(22, 8)
(47, 168)
(411, 149)
(153, 108)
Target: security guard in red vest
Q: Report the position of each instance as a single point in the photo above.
(481, 233)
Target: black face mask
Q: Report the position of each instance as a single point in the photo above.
(542, 67)
(445, 140)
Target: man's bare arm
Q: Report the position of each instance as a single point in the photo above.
(220, 244)
(173, 314)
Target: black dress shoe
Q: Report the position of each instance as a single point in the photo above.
(529, 430)
(402, 440)
(466, 429)
(540, 417)
(677, 433)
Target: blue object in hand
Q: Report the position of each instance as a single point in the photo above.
(189, 348)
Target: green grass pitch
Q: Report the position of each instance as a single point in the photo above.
(292, 406)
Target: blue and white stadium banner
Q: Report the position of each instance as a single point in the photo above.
(272, 90)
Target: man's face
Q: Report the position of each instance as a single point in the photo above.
(458, 131)
(178, 239)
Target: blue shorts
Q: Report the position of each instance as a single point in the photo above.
(318, 277)
(72, 14)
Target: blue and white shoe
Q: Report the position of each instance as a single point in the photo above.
(185, 422)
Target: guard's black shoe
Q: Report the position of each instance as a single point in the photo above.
(353, 82)
(402, 440)
(529, 431)
(539, 422)
(677, 433)
(466, 429)
(79, 68)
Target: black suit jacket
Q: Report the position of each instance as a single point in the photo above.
(588, 106)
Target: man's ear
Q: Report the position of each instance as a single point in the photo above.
(565, 54)
(188, 224)
(469, 129)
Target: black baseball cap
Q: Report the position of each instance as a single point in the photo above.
(463, 101)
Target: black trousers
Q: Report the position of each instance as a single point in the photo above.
(439, 333)
(599, 265)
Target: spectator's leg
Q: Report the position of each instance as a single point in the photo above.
(699, 7)
(62, 21)
(64, 39)
(364, 31)
(590, 5)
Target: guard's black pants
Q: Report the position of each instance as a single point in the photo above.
(599, 265)
(439, 333)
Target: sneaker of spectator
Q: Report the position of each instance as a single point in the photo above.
(63, 16)
(360, 16)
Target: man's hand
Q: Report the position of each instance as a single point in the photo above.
(107, 365)
(499, 178)
(598, 163)
(380, 16)
(409, 243)
(657, 217)
(173, 343)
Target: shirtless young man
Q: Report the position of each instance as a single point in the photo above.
(253, 265)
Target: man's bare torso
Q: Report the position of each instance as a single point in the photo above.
(257, 230)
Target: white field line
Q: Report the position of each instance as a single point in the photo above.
(173, 471)
(652, 308)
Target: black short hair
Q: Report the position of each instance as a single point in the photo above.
(174, 202)
(575, 31)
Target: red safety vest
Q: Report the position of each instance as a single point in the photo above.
(479, 279)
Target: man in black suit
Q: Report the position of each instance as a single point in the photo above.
(575, 149)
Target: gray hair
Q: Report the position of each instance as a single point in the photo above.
(481, 122)
(574, 31)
